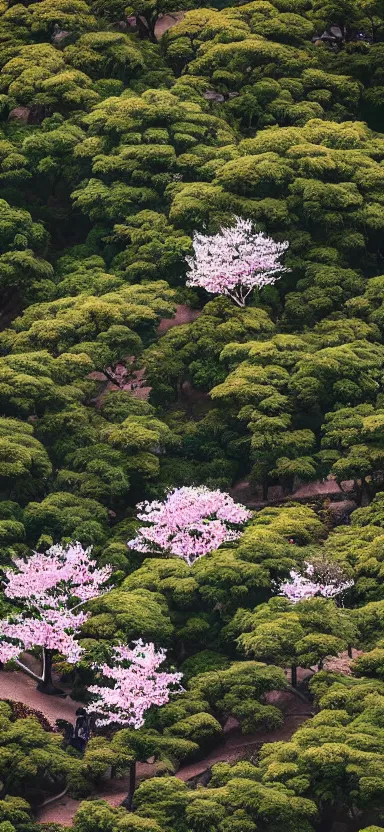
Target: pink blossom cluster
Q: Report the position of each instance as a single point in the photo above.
(301, 587)
(235, 261)
(26, 633)
(50, 587)
(191, 522)
(138, 685)
(55, 577)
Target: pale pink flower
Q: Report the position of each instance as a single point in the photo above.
(301, 587)
(138, 685)
(235, 261)
(189, 523)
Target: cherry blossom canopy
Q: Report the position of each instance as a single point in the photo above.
(138, 685)
(50, 588)
(190, 523)
(235, 261)
(300, 587)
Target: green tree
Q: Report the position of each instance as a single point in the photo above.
(334, 758)
(22, 270)
(24, 463)
(238, 801)
(64, 516)
(38, 762)
(301, 634)
(352, 436)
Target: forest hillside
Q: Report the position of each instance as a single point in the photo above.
(192, 415)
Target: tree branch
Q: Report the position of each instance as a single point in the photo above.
(28, 671)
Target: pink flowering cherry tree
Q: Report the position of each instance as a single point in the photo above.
(50, 588)
(326, 580)
(235, 261)
(300, 587)
(138, 684)
(189, 523)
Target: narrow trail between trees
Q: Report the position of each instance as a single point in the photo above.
(232, 748)
(20, 688)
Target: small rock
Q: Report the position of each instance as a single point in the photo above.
(341, 509)
(150, 760)
(59, 34)
(232, 724)
(20, 114)
(336, 32)
(211, 95)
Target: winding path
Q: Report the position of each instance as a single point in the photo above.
(17, 686)
(20, 688)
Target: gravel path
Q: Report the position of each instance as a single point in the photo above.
(21, 688)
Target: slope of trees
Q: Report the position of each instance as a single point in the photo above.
(191, 332)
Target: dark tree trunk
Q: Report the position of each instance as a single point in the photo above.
(287, 484)
(294, 676)
(366, 496)
(350, 651)
(363, 493)
(327, 815)
(128, 801)
(146, 28)
(46, 685)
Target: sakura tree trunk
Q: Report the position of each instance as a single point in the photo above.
(237, 298)
(46, 684)
(128, 801)
(294, 676)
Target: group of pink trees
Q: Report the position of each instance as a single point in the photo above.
(50, 589)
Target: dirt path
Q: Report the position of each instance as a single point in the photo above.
(237, 747)
(234, 748)
(183, 315)
(21, 688)
(166, 21)
(340, 498)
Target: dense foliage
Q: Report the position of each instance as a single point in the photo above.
(191, 361)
